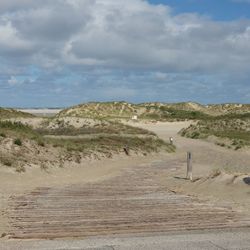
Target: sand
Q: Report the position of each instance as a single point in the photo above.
(227, 188)
(90, 171)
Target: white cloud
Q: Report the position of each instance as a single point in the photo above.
(9, 39)
(119, 33)
(121, 48)
(13, 81)
(117, 93)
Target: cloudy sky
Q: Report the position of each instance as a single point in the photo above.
(56, 53)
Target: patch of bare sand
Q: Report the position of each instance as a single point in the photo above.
(225, 189)
(12, 183)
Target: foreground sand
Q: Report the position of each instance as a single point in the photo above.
(225, 191)
(92, 171)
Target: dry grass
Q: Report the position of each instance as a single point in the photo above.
(112, 144)
(12, 113)
(153, 111)
(100, 127)
(24, 143)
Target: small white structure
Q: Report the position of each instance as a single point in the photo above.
(171, 140)
(134, 117)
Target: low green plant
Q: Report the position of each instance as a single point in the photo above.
(3, 135)
(19, 130)
(222, 144)
(18, 142)
(195, 135)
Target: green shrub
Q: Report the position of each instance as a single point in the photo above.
(238, 147)
(3, 135)
(220, 144)
(18, 142)
(195, 135)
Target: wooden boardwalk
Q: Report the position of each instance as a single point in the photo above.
(133, 202)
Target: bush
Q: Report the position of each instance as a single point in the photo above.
(41, 143)
(222, 144)
(3, 135)
(238, 147)
(7, 162)
(195, 135)
(18, 142)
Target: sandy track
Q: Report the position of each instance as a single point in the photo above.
(133, 202)
(138, 200)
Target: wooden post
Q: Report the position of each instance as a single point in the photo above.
(189, 166)
(126, 150)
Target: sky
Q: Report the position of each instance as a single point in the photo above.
(65, 52)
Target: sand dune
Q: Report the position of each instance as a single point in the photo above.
(223, 191)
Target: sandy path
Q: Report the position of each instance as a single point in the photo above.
(207, 157)
(12, 183)
(144, 184)
(133, 202)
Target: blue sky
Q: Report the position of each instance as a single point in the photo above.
(65, 52)
(223, 10)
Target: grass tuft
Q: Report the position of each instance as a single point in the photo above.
(18, 142)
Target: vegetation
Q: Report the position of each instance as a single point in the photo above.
(174, 114)
(112, 144)
(123, 110)
(233, 127)
(12, 113)
(7, 161)
(18, 142)
(18, 130)
(106, 141)
(104, 128)
(154, 111)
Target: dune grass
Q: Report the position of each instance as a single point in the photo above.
(12, 113)
(105, 144)
(234, 127)
(112, 144)
(109, 127)
(18, 130)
